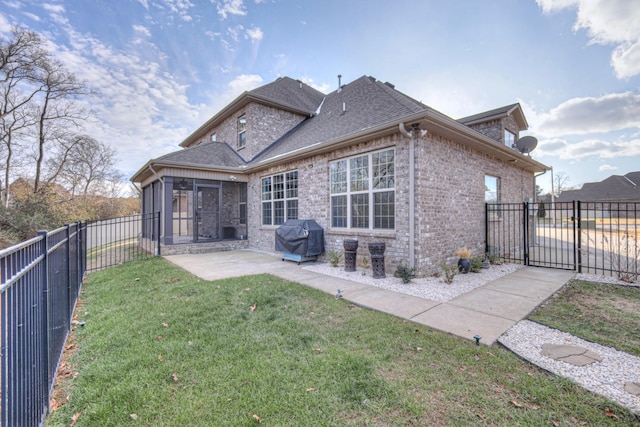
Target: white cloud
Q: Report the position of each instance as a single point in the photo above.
(324, 87)
(234, 32)
(614, 22)
(181, 8)
(606, 167)
(231, 7)
(244, 82)
(566, 150)
(254, 33)
(53, 8)
(142, 30)
(140, 109)
(579, 116)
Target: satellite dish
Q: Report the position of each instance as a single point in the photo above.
(526, 144)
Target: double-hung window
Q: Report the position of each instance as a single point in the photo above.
(492, 195)
(509, 138)
(242, 131)
(363, 191)
(279, 198)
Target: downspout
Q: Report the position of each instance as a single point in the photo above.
(412, 194)
(161, 201)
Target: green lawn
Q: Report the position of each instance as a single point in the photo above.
(160, 347)
(607, 314)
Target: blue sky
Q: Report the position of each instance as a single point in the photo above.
(163, 67)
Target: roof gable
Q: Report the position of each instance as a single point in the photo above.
(284, 93)
(514, 110)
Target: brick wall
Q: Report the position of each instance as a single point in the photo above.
(264, 126)
(449, 200)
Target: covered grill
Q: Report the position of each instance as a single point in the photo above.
(300, 240)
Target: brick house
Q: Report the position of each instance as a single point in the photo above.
(365, 161)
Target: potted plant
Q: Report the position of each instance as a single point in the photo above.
(463, 263)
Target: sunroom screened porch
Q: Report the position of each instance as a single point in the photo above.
(198, 210)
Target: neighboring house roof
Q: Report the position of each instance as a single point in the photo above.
(513, 109)
(284, 93)
(614, 188)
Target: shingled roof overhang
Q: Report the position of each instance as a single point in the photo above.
(514, 110)
(429, 119)
(445, 126)
(155, 166)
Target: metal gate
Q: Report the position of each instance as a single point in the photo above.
(587, 237)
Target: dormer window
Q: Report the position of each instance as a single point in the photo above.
(242, 131)
(509, 138)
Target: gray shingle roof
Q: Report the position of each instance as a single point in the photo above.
(209, 154)
(289, 93)
(360, 105)
(614, 188)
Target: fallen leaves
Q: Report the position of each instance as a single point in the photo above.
(523, 405)
(310, 389)
(175, 377)
(160, 358)
(257, 418)
(74, 419)
(252, 308)
(134, 416)
(609, 413)
(165, 325)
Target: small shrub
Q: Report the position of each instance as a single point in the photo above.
(494, 258)
(449, 271)
(475, 264)
(405, 273)
(364, 263)
(334, 258)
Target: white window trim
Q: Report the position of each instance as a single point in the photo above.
(370, 191)
(272, 200)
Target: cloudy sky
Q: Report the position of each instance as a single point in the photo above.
(163, 67)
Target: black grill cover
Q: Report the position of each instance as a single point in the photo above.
(300, 237)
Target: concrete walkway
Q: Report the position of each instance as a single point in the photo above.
(487, 311)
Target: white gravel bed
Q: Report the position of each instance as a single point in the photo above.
(606, 378)
(604, 279)
(432, 288)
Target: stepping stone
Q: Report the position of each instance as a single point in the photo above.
(632, 388)
(573, 354)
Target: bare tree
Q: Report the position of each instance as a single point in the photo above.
(57, 111)
(19, 85)
(560, 180)
(86, 167)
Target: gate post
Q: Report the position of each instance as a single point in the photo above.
(577, 248)
(525, 231)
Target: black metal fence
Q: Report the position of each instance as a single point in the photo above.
(117, 240)
(587, 237)
(40, 281)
